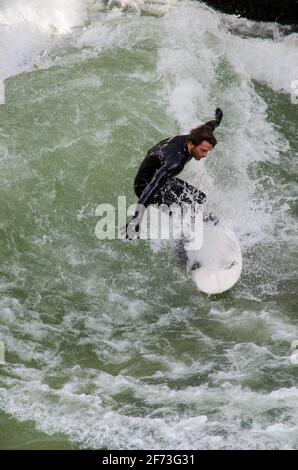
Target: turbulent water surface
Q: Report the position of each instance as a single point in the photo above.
(108, 344)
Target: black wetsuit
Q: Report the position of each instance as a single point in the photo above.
(155, 182)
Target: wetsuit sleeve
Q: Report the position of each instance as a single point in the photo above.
(157, 182)
(173, 164)
(171, 167)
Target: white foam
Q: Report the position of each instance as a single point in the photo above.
(90, 418)
(161, 345)
(269, 324)
(28, 28)
(189, 65)
(266, 60)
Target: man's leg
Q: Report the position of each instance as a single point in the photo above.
(177, 191)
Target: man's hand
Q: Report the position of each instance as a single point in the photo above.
(132, 229)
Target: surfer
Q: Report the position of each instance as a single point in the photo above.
(156, 182)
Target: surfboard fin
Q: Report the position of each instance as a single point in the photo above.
(210, 218)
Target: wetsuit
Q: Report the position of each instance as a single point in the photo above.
(155, 182)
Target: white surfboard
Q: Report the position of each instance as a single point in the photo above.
(217, 266)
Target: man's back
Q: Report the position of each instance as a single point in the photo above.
(171, 152)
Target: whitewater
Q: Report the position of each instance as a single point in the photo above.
(108, 344)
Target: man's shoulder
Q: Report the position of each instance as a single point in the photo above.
(178, 140)
(171, 148)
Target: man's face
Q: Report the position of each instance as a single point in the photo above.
(199, 151)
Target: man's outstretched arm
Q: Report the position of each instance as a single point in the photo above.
(170, 168)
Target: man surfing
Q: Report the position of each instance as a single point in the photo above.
(156, 182)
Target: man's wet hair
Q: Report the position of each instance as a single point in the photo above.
(201, 133)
